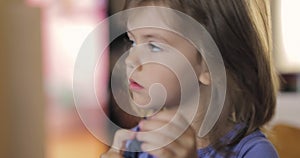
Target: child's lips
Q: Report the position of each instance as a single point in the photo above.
(133, 85)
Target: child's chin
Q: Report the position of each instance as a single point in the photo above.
(148, 110)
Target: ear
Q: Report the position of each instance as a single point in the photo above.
(204, 76)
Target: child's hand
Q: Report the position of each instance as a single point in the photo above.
(180, 146)
(118, 146)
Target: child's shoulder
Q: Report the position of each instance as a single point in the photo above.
(256, 145)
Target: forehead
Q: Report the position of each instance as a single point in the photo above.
(162, 21)
(151, 17)
(151, 32)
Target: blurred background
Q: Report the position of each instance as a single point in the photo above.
(39, 42)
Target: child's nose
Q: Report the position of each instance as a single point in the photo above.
(132, 60)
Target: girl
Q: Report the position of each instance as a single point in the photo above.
(241, 30)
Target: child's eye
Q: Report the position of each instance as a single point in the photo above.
(133, 44)
(154, 48)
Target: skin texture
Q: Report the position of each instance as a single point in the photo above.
(177, 139)
(182, 147)
(154, 142)
(154, 41)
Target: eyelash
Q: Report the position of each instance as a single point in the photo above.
(153, 47)
(133, 44)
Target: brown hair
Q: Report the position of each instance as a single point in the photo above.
(242, 32)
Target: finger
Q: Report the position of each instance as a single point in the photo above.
(120, 138)
(174, 147)
(181, 147)
(111, 155)
(177, 124)
(154, 138)
(186, 141)
(149, 125)
(165, 115)
(161, 127)
(158, 152)
(171, 116)
(147, 147)
(167, 139)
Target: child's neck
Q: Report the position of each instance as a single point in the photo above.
(202, 142)
(205, 142)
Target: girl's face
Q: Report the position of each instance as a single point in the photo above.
(153, 41)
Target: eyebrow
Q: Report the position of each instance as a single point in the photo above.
(129, 32)
(150, 35)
